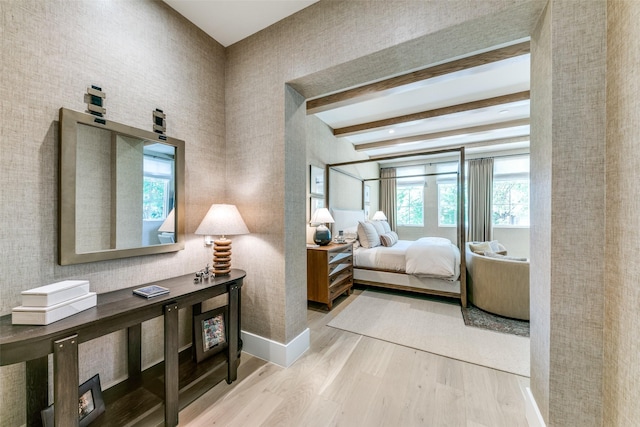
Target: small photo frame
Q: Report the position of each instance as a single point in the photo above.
(316, 181)
(90, 404)
(316, 203)
(210, 333)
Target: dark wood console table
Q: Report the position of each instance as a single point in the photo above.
(171, 385)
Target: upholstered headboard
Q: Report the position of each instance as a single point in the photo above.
(346, 218)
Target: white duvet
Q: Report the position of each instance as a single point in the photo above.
(428, 256)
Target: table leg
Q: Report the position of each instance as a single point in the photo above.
(171, 365)
(37, 378)
(134, 351)
(66, 381)
(233, 332)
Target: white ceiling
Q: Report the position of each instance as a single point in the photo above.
(229, 21)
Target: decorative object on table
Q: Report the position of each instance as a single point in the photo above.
(316, 181)
(221, 220)
(340, 238)
(202, 275)
(53, 302)
(210, 333)
(90, 404)
(151, 291)
(320, 217)
(379, 216)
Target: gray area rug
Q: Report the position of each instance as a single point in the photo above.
(434, 326)
(475, 317)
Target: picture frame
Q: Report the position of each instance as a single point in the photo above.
(210, 333)
(367, 211)
(367, 194)
(316, 203)
(316, 181)
(90, 404)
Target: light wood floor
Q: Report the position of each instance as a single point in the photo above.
(346, 379)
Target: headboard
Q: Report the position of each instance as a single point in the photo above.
(345, 218)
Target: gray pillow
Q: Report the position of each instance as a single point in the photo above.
(368, 235)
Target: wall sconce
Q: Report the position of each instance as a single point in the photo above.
(322, 235)
(379, 216)
(221, 220)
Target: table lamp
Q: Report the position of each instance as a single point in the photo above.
(322, 235)
(379, 216)
(222, 220)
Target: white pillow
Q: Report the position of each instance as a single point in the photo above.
(386, 226)
(379, 228)
(368, 235)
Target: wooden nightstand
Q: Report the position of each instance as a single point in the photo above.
(329, 272)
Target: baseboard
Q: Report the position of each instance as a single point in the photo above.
(534, 417)
(275, 352)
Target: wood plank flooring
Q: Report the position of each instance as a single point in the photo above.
(349, 380)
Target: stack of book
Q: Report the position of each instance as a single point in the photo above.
(50, 303)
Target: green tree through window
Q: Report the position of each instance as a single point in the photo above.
(410, 205)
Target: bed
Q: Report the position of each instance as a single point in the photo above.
(430, 265)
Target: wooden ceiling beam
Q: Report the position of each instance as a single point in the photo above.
(387, 86)
(452, 109)
(498, 141)
(442, 134)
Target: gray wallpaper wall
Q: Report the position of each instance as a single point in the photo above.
(621, 343)
(247, 144)
(145, 56)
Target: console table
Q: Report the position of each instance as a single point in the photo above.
(171, 385)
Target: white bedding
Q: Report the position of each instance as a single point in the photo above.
(426, 257)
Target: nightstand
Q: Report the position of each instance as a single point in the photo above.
(329, 272)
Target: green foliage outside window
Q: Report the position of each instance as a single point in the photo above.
(511, 203)
(447, 204)
(154, 198)
(410, 205)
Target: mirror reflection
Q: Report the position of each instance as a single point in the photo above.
(120, 197)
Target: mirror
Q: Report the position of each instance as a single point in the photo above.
(121, 190)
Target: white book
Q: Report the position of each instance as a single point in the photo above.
(55, 293)
(26, 315)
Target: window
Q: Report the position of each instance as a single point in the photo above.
(511, 192)
(510, 195)
(157, 197)
(447, 204)
(410, 196)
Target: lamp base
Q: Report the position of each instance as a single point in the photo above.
(221, 257)
(322, 235)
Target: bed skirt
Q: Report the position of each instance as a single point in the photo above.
(387, 279)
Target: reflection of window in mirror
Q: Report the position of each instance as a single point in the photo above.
(158, 194)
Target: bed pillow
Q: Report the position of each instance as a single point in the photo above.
(386, 226)
(368, 235)
(497, 255)
(389, 239)
(379, 228)
(480, 247)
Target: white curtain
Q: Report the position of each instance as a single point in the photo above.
(480, 200)
(388, 195)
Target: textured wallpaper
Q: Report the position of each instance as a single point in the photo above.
(622, 346)
(145, 56)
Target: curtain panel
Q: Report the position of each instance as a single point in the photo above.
(480, 200)
(388, 195)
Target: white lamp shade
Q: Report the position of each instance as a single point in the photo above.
(379, 216)
(222, 220)
(169, 224)
(322, 216)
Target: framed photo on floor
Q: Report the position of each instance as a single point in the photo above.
(90, 404)
(210, 333)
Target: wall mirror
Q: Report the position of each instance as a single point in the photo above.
(121, 190)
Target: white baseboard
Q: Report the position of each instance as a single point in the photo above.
(275, 352)
(534, 417)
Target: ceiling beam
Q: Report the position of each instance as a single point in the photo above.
(452, 109)
(442, 134)
(498, 141)
(387, 86)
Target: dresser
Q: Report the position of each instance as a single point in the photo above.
(329, 272)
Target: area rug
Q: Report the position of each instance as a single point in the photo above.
(477, 318)
(434, 326)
